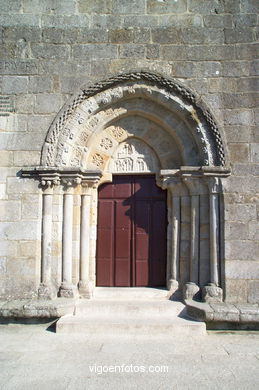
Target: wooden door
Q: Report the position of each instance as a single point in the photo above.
(131, 236)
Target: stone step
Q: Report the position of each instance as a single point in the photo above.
(130, 293)
(112, 318)
(125, 326)
(128, 308)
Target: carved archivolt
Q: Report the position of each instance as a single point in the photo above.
(88, 131)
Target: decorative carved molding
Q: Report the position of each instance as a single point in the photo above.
(170, 86)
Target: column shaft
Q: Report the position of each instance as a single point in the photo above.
(214, 238)
(194, 252)
(67, 238)
(85, 239)
(46, 239)
(175, 237)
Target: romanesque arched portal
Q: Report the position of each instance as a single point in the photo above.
(135, 123)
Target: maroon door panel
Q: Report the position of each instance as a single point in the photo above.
(122, 244)
(105, 243)
(132, 226)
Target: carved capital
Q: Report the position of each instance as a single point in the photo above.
(214, 185)
(195, 185)
(69, 178)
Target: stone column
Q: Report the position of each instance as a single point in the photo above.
(93, 239)
(176, 190)
(67, 289)
(84, 288)
(212, 292)
(46, 289)
(173, 265)
(192, 288)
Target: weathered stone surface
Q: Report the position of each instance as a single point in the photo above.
(255, 153)
(32, 34)
(20, 230)
(242, 250)
(15, 84)
(236, 290)
(218, 21)
(235, 230)
(95, 6)
(240, 212)
(94, 51)
(49, 50)
(166, 6)
(37, 308)
(135, 51)
(225, 312)
(242, 269)
(20, 20)
(10, 210)
(239, 152)
(47, 103)
(240, 35)
(121, 35)
(39, 84)
(253, 292)
(65, 20)
(125, 7)
(6, 158)
(197, 53)
(207, 7)
(249, 7)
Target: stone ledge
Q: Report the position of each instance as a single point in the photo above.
(36, 308)
(224, 313)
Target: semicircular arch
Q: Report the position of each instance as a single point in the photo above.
(172, 115)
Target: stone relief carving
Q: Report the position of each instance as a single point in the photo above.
(117, 132)
(98, 160)
(83, 137)
(106, 143)
(89, 105)
(134, 156)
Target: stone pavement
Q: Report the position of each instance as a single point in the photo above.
(32, 357)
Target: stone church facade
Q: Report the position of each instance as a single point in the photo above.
(97, 90)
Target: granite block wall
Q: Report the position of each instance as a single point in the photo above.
(50, 48)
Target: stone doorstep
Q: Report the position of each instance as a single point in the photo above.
(239, 313)
(130, 325)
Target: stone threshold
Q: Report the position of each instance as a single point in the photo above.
(232, 316)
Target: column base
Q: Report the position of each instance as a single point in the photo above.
(85, 289)
(191, 290)
(45, 291)
(68, 290)
(212, 293)
(172, 285)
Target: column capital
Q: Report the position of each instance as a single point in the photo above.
(170, 179)
(195, 185)
(68, 177)
(214, 185)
